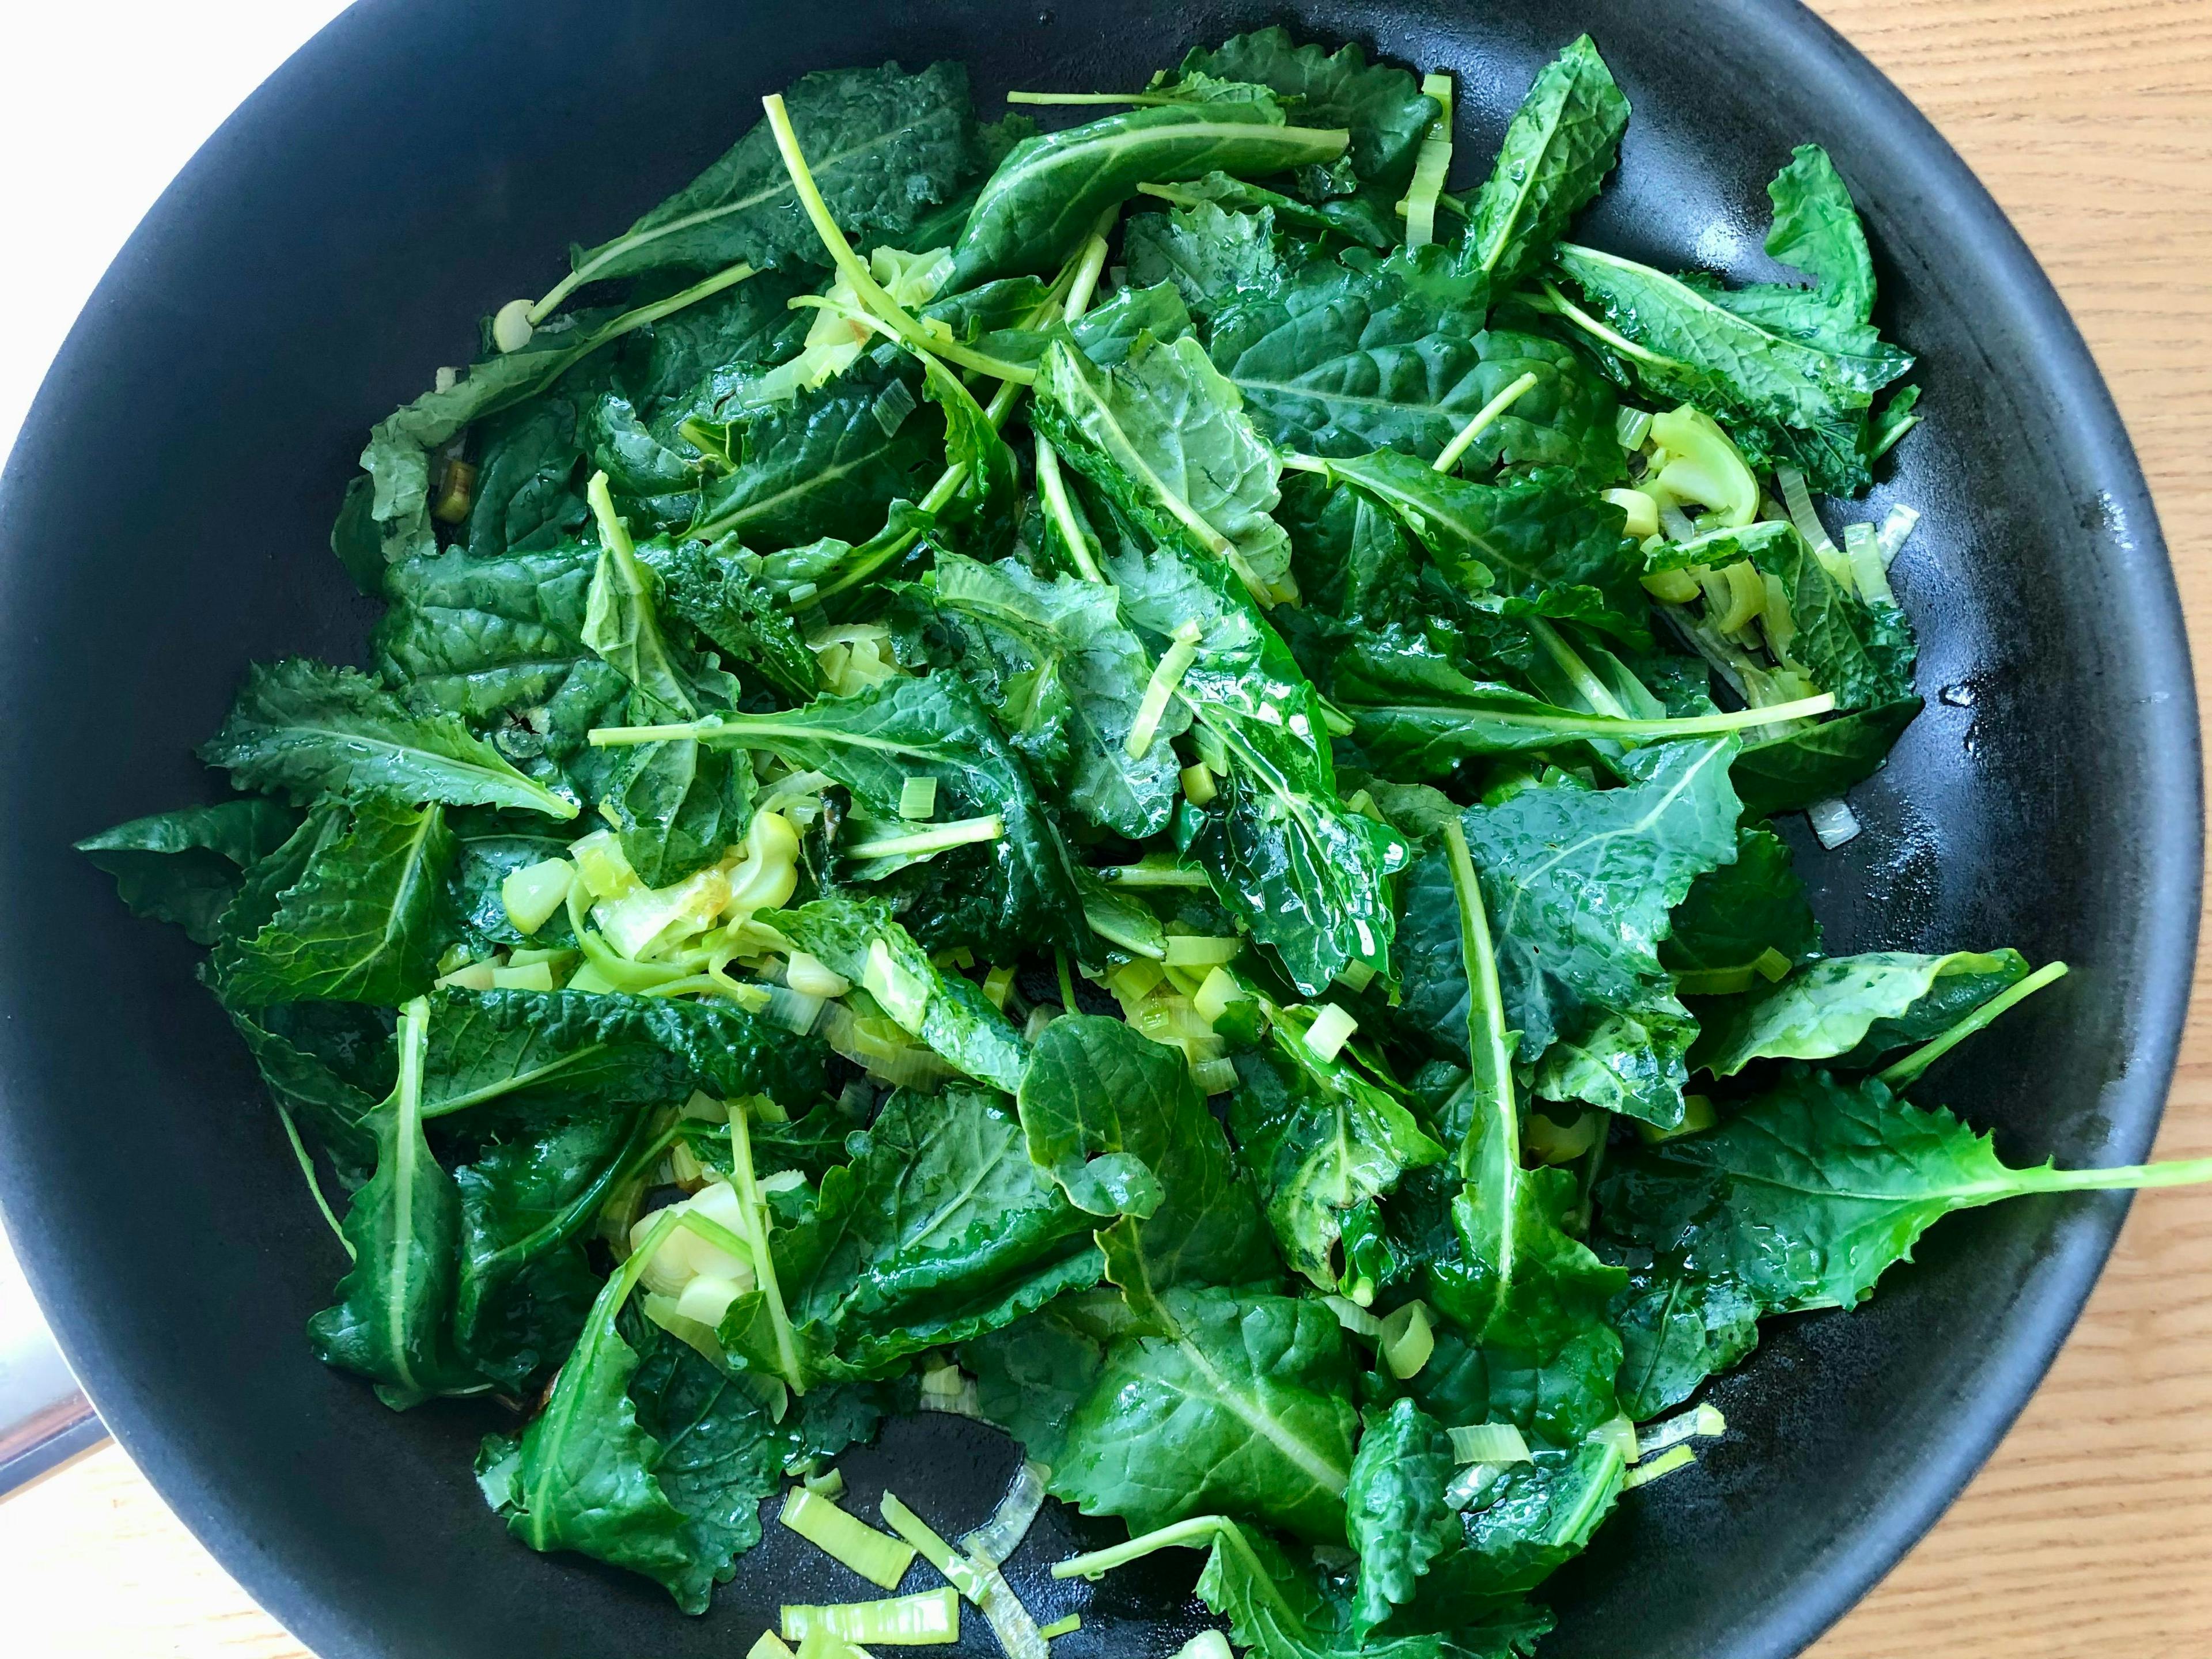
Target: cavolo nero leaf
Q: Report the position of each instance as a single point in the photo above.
(1856, 1007)
(1245, 1410)
(525, 1286)
(1818, 762)
(1281, 850)
(355, 918)
(1561, 144)
(1207, 254)
(303, 729)
(1048, 193)
(1539, 545)
(1734, 915)
(186, 866)
(707, 587)
(480, 637)
(952, 1017)
(1860, 652)
(392, 1321)
(1381, 107)
(939, 1229)
(1341, 361)
(1056, 654)
(1320, 1140)
(884, 147)
(1165, 436)
(904, 727)
(1120, 1126)
(1578, 883)
(1394, 1508)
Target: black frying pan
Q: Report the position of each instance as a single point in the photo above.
(163, 521)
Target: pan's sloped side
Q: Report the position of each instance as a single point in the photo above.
(163, 521)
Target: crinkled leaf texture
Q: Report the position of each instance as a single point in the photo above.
(939, 1229)
(186, 866)
(1858, 1007)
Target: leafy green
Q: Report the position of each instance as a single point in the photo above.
(707, 588)
(1207, 253)
(1305, 871)
(872, 742)
(301, 729)
(1537, 546)
(884, 146)
(1733, 915)
(392, 1320)
(1244, 1410)
(1319, 1139)
(1860, 652)
(1394, 1508)
(1790, 372)
(186, 866)
(1384, 109)
(1561, 144)
(1819, 762)
(939, 1228)
(1859, 1007)
(1117, 1121)
(657, 1469)
(1165, 437)
(357, 922)
(1065, 676)
(955, 1019)
(1049, 191)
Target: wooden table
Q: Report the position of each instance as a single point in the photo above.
(2090, 1532)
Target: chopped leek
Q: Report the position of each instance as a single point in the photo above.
(926, 1618)
(1862, 547)
(1066, 1627)
(1198, 783)
(532, 894)
(1895, 530)
(875, 1557)
(1705, 1422)
(1489, 1443)
(1431, 163)
(1331, 1030)
(1408, 1341)
(959, 1571)
(830, 1484)
(1002, 1535)
(1174, 662)
(901, 993)
(1197, 951)
(1207, 1644)
(1833, 821)
(770, 1646)
(917, 798)
(1354, 1317)
(1659, 1468)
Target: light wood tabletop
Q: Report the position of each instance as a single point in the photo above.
(2090, 1532)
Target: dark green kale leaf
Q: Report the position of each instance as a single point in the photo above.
(525, 497)
(1790, 372)
(1394, 1508)
(1341, 361)
(303, 729)
(392, 1321)
(1359, 219)
(884, 146)
(1676, 1330)
(657, 1469)
(1818, 762)
(1860, 652)
(328, 1088)
(1209, 255)
(1050, 191)
(1281, 850)
(829, 462)
(525, 1286)
(186, 866)
(1165, 438)
(1117, 1121)
(1244, 1410)
(1561, 144)
(1383, 108)
(954, 1019)
(1734, 915)
(873, 741)
(482, 636)
(1579, 883)
(1856, 1007)
(1032, 1375)
(1539, 545)
(708, 587)
(1320, 1140)
(939, 1229)
(602, 1043)
(348, 910)
(1538, 1516)
(1064, 676)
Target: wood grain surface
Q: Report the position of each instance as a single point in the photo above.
(2090, 1531)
